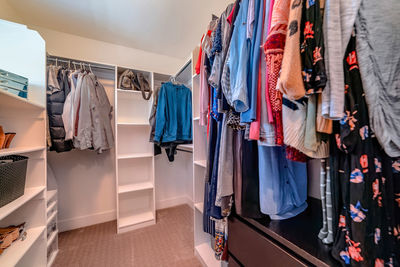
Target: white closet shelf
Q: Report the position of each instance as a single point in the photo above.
(135, 187)
(133, 124)
(136, 219)
(135, 156)
(128, 91)
(199, 206)
(207, 255)
(51, 194)
(13, 254)
(201, 163)
(9, 100)
(20, 150)
(51, 206)
(52, 258)
(51, 238)
(51, 217)
(30, 193)
(187, 146)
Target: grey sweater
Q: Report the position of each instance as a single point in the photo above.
(339, 17)
(378, 49)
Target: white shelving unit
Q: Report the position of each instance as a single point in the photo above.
(22, 51)
(202, 240)
(52, 227)
(134, 159)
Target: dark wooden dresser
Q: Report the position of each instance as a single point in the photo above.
(288, 243)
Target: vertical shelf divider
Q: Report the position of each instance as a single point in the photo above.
(134, 157)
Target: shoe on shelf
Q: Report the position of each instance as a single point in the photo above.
(2, 137)
(9, 138)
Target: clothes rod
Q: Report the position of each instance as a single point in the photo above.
(78, 62)
(183, 68)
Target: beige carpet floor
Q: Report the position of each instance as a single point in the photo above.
(167, 243)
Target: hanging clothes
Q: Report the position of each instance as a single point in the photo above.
(57, 89)
(80, 114)
(338, 23)
(290, 80)
(93, 119)
(273, 49)
(380, 71)
(254, 62)
(69, 106)
(238, 62)
(368, 231)
(174, 114)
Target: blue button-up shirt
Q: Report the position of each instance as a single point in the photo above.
(238, 60)
(283, 183)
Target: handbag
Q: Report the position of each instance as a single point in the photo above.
(129, 80)
(144, 86)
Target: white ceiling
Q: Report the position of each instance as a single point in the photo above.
(168, 27)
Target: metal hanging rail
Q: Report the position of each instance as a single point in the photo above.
(71, 62)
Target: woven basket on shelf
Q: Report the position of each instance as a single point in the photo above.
(12, 178)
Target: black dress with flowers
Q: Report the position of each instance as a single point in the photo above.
(312, 48)
(369, 183)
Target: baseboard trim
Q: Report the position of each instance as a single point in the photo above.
(87, 220)
(172, 202)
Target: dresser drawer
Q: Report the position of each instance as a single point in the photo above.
(253, 249)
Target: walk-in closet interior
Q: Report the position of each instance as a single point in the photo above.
(199, 133)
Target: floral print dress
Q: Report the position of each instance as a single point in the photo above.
(368, 230)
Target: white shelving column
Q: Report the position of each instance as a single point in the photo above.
(202, 243)
(134, 159)
(22, 51)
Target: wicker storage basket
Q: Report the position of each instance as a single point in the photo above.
(12, 178)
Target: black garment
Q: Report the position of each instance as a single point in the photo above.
(250, 180)
(312, 47)
(55, 107)
(365, 235)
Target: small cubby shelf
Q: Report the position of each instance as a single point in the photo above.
(132, 220)
(128, 188)
(13, 254)
(11, 101)
(135, 156)
(20, 150)
(29, 194)
(201, 163)
(136, 209)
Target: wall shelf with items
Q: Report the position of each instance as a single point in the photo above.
(134, 158)
(22, 52)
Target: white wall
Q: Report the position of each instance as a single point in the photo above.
(72, 46)
(173, 180)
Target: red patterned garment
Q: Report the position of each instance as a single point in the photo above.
(273, 49)
(295, 155)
